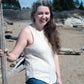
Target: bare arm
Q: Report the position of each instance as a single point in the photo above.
(57, 69)
(22, 42)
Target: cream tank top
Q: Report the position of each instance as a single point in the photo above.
(39, 60)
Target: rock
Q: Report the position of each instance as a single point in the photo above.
(77, 22)
(59, 25)
(12, 65)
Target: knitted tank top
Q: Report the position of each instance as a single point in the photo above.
(39, 60)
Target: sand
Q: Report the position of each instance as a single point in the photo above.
(71, 66)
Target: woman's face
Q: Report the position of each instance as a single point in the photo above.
(42, 16)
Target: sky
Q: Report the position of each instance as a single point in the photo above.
(28, 3)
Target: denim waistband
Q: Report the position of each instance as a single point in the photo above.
(35, 81)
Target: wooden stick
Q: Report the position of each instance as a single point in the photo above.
(2, 46)
(16, 70)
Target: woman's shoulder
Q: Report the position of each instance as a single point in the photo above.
(26, 34)
(26, 30)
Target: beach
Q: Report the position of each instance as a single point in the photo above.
(71, 66)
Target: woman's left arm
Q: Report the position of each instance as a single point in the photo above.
(57, 69)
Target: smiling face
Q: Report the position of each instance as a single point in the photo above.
(42, 16)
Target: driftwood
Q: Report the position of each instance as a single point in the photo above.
(11, 37)
(7, 31)
(82, 48)
(18, 68)
(68, 51)
(8, 21)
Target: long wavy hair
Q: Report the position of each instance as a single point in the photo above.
(50, 29)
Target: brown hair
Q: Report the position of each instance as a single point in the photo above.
(50, 29)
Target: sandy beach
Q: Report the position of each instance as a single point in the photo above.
(71, 66)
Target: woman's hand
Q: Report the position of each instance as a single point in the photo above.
(10, 56)
(59, 81)
(6, 51)
(1, 52)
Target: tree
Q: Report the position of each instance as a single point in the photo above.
(63, 4)
(56, 4)
(23, 8)
(27, 8)
(72, 5)
(17, 4)
(6, 1)
(81, 6)
(67, 4)
(76, 2)
(11, 4)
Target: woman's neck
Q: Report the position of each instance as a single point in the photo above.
(37, 27)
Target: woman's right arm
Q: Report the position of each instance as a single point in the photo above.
(22, 42)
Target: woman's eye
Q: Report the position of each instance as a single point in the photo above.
(40, 13)
(47, 13)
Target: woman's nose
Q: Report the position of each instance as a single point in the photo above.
(43, 16)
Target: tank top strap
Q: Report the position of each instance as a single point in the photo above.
(36, 32)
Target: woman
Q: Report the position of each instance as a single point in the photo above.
(40, 43)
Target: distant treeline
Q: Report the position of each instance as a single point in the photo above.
(67, 4)
(57, 4)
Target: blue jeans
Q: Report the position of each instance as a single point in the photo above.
(35, 81)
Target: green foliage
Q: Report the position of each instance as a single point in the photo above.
(25, 8)
(57, 5)
(81, 7)
(17, 4)
(63, 4)
(11, 4)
